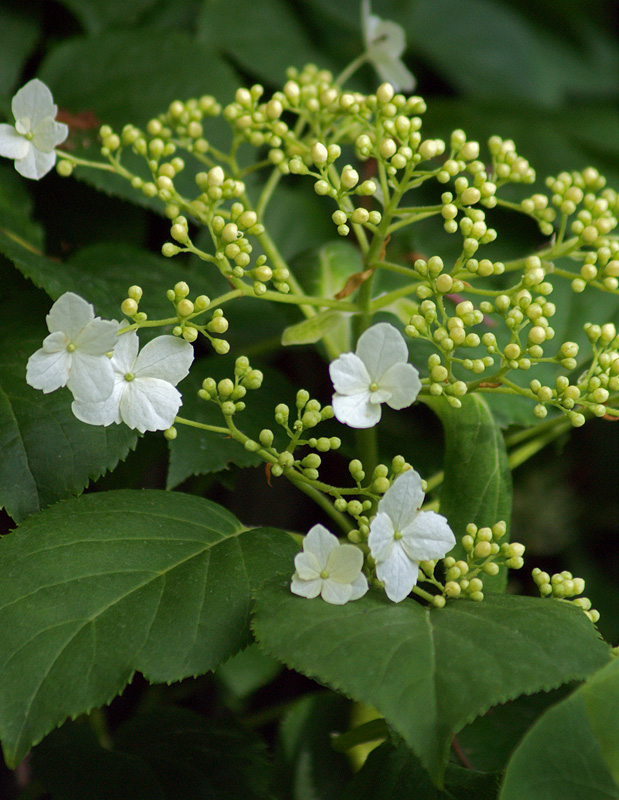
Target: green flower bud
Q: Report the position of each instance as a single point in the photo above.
(266, 437)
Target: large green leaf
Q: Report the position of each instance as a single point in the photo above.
(132, 75)
(429, 672)
(394, 773)
(96, 15)
(264, 36)
(572, 752)
(97, 587)
(19, 31)
(166, 754)
(477, 486)
(101, 274)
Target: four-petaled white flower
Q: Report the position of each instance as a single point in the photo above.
(377, 372)
(36, 133)
(385, 41)
(143, 395)
(328, 568)
(401, 536)
(73, 354)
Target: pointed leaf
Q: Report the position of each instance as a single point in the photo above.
(477, 486)
(573, 749)
(313, 329)
(429, 672)
(97, 587)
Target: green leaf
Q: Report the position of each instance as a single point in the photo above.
(97, 587)
(199, 452)
(264, 37)
(100, 273)
(429, 672)
(46, 454)
(394, 773)
(96, 15)
(573, 749)
(248, 670)
(96, 772)
(308, 766)
(166, 754)
(310, 331)
(477, 486)
(20, 29)
(131, 76)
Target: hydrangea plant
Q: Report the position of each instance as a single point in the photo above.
(407, 612)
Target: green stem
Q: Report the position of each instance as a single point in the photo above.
(320, 499)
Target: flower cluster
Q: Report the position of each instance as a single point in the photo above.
(400, 537)
(110, 381)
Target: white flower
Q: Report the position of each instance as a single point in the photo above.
(73, 354)
(377, 372)
(401, 536)
(385, 42)
(143, 396)
(36, 133)
(328, 568)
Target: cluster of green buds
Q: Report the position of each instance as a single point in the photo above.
(187, 311)
(484, 556)
(130, 305)
(228, 394)
(564, 586)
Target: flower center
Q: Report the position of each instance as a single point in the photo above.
(29, 135)
(129, 376)
(324, 574)
(71, 347)
(373, 386)
(397, 535)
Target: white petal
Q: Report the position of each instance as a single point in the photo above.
(345, 563)
(48, 134)
(125, 352)
(56, 342)
(402, 382)
(359, 587)
(395, 72)
(166, 357)
(349, 374)
(98, 337)
(48, 371)
(387, 40)
(69, 314)
(35, 164)
(356, 410)
(380, 540)
(380, 347)
(149, 404)
(307, 566)
(104, 413)
(91, 378)
(427, 537)
(12, 144)
(398, 573)
(402, 501)
(321, 543)
(336, 593)
(309, 589)
(35, 102)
